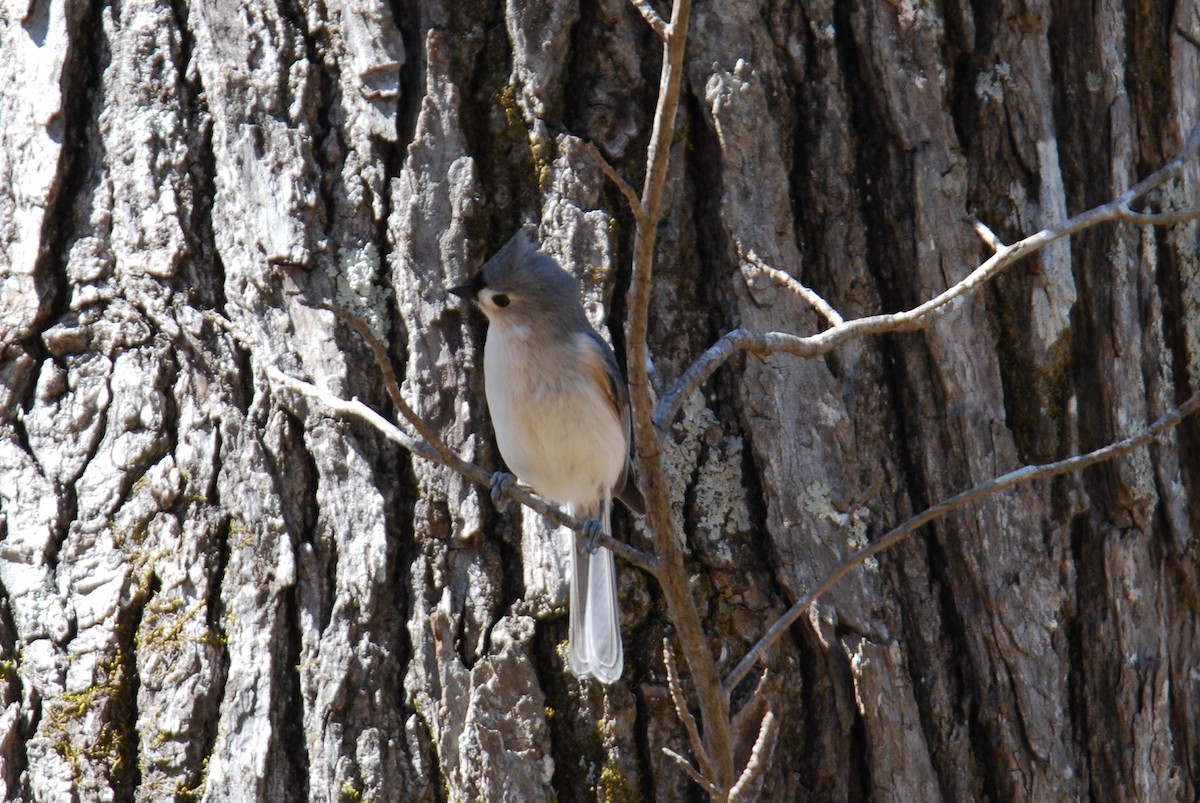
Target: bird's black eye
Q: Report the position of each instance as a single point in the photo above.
(500, 300)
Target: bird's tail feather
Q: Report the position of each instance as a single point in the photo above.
(595, 632)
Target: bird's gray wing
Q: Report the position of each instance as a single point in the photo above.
(618, 394)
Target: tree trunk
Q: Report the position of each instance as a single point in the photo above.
(210, 588)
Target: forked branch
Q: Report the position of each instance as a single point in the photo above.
(804, 291)
(430, 447)
(684, 713)
(652, 17)
(926, 314)
(760, 757)
(1003, 482)
(712, 703)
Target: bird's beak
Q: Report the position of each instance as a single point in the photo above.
(469, 291)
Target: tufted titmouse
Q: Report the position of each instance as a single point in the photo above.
(560, 407)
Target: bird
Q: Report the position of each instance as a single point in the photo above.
(560, 409)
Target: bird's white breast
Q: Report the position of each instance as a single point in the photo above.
(554, 425)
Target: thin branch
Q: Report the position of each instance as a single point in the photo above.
(993, 486)
(684, 713)
(760, 757)
(390, 382)
(635, 203)
(987, 235)
(919, 317)
(704, 367)
(652, 17)
(1163, 173)
(808, 294)
(477, 474)
(1158, 218)
(712, 702)
(704, 783)
(1187, 36)
(448, 458)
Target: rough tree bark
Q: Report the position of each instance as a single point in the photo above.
(212, 589)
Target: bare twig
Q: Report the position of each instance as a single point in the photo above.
(808, 294)
(684, 713)
(652, 17)
(1001, 483)
(987, 235)
(921, 316)
(1187, 36)
(1158, 218)
(390, 382)
(705, 366)
(1163, 173)
(712, 702)
(448, 458)
(635, 203)
(692, 773)
(357, 409)
(760, 757)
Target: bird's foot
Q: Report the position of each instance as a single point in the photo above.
(592, 530)
(500, 482)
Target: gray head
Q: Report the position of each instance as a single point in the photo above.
(519, 282)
